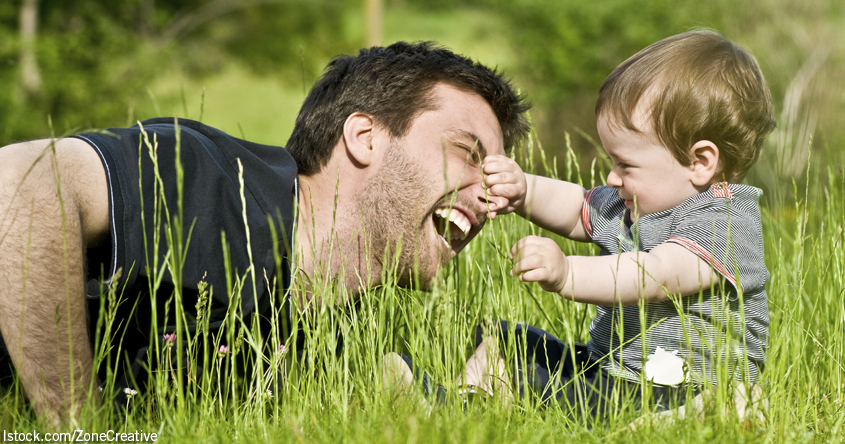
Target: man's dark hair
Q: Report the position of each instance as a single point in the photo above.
(394, 84)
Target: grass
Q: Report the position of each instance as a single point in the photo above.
(335, 393)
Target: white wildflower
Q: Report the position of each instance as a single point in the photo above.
(664, 368)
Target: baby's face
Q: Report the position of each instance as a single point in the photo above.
(645, 173)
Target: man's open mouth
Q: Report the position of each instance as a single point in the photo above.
(452, 228)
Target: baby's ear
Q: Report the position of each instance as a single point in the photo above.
(705, 162)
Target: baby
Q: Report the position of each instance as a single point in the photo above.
(681, 272)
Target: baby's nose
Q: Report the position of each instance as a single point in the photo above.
(613, 180)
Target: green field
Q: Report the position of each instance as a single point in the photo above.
(336, 393)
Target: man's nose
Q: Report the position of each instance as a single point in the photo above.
(613, 180)
(480, 199)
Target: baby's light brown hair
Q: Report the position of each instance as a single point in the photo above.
(700, 86)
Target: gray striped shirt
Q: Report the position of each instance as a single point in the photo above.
(723, 330)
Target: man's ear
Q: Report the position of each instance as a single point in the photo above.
(705, 162)
(358, 138)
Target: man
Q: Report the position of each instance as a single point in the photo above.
(386, 151)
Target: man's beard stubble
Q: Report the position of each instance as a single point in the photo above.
(393, 209)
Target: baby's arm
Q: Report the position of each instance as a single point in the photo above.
(668, 269)
(552, 204)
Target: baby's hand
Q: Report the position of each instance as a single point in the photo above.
(505, 184)
(539, 259)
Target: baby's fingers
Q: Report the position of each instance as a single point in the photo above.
(494, 204)
(500, 178)
(526, 263)
(497, 164)
(535, 275)
(525, 244)
(539, 259)
(506, 190)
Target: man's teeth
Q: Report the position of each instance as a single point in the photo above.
(445, 242)
(456, 218)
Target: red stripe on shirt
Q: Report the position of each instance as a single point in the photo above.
(704, 254)
(721, 189)
(585, 212)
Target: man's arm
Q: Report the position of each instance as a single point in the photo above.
(619, 279)
(53, 202)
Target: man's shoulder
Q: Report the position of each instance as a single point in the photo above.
(191, 135)
(208, 154)
(268, 171)
(172, 125)
(228, 185)
(174, 122)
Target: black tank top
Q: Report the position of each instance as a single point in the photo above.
(212, 211)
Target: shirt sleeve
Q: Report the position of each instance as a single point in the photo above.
(602, 207)
(724, 229)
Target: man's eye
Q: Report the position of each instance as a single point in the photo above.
(471, 155)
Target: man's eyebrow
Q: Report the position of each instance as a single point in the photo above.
(474, 141)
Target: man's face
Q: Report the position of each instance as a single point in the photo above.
(427, 193)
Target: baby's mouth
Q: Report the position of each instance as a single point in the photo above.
(452, 227)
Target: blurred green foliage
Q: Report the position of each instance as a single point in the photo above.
(565, 49)
(100, 60)
(568, 48)
(97, 58)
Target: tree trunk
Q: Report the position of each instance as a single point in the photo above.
(31, 76)
(373, 22)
